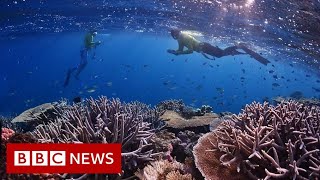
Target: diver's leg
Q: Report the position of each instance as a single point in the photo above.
(211, 50)
(232, 51)
(83, 62)
(69, 72)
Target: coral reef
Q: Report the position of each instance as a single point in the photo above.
(304, 101)
(172, 105)
(176, 121)
(266, 141)
(163, 170)
(105, 121)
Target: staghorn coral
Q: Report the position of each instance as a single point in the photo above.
(305, 101)
(105, 121)
(267, 142)
(163, 170)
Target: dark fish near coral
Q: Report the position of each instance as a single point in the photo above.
(271, 71)
(291, 65)
(275, 85)
(211, 66)
(275, 76)
(272, 65)
(316, 89)
(282, 77)
(77, 99)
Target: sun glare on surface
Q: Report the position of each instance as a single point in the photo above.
(249, 3)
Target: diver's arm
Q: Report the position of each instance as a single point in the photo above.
(180, 50)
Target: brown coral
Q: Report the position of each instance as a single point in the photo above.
(208, 161)
(175, 120)
(163, 170)
(268, 142)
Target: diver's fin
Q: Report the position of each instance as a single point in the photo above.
(255, 55)
(207, 56)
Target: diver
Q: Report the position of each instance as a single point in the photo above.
(186, 40)
(89, 44)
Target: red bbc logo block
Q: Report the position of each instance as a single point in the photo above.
(64, 158)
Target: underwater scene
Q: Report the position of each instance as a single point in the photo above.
(191, 89)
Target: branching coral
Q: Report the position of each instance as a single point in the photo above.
(172, 105)
(163, 170)
(271, 142)
(105, 121)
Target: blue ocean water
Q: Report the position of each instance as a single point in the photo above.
(40, 40)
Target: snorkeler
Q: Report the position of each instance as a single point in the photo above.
(84, 53)
(186, 40)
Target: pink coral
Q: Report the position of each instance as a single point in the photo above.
(6, 133)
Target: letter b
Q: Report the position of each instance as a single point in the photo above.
(39, 158)
(21, 158)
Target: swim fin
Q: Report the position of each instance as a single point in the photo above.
(253, 54)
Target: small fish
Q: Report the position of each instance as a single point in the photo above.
(271, 71)
(146, 65)
(204, 63)
(308, 75)
(275, 76)
(264, 78)
(109, 84)
(288, 80)
(211, 66)
(243, 71)
(203, 77)
(186, 60)
(218, 65)
(275, 84)
(291, 65)
(292, 71)
(318, 81)
(272, 65)
(91, 90)
(241, 62)
(172, 59)
(282, 77)
(242, 78)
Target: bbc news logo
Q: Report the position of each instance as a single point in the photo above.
(64, 158)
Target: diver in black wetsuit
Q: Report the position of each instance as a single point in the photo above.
(84, 53)
(186, 40)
